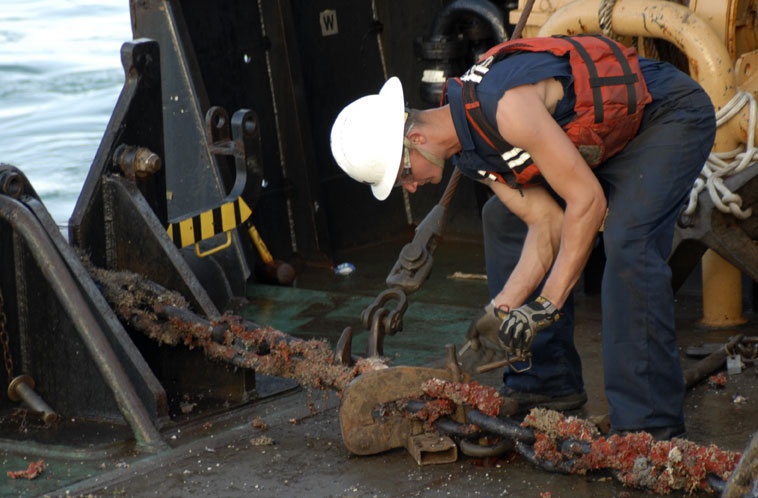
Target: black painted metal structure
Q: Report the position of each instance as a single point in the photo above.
(282, 70)
(296, 64)
(61, 331)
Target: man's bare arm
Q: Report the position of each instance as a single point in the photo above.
(543, 217)
(525, 121)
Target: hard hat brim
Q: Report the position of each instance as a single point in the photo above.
(393, 129)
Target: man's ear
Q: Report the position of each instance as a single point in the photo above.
(416, 137)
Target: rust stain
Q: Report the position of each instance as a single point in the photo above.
(636, 459)
(32, 471)
(165, 317)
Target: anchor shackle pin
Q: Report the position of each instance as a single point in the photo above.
(21, 388)
(381, 321)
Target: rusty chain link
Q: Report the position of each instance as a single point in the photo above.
(7, 358)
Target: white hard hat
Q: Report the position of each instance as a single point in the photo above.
(367, 138)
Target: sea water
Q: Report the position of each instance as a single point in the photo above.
(60, 77)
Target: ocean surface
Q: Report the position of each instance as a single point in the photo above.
(60, 77)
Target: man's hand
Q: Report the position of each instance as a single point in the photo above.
(482, 342)
(522, 324)
(484, 330)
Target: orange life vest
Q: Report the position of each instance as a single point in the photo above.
(611, 95)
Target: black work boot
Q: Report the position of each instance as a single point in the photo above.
(527, 401)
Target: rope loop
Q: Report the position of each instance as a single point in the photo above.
(721, 165)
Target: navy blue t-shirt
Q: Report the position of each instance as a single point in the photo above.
(527, 68)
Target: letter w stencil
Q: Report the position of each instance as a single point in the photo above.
(328, 20)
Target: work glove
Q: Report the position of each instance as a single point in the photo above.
(482, 344)
(521, 325)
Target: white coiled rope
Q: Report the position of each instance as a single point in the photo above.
(721, 165)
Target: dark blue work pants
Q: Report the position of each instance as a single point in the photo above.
(646, 185)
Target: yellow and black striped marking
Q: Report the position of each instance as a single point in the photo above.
(209, 223)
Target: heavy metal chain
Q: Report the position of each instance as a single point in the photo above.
(7, 358)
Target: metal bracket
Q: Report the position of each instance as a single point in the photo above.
(238, 141)
(431, 448)
(731, 238)
(366, 434)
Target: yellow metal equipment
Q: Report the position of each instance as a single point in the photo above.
(208, 224)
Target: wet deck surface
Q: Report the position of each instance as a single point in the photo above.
(300, 451)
